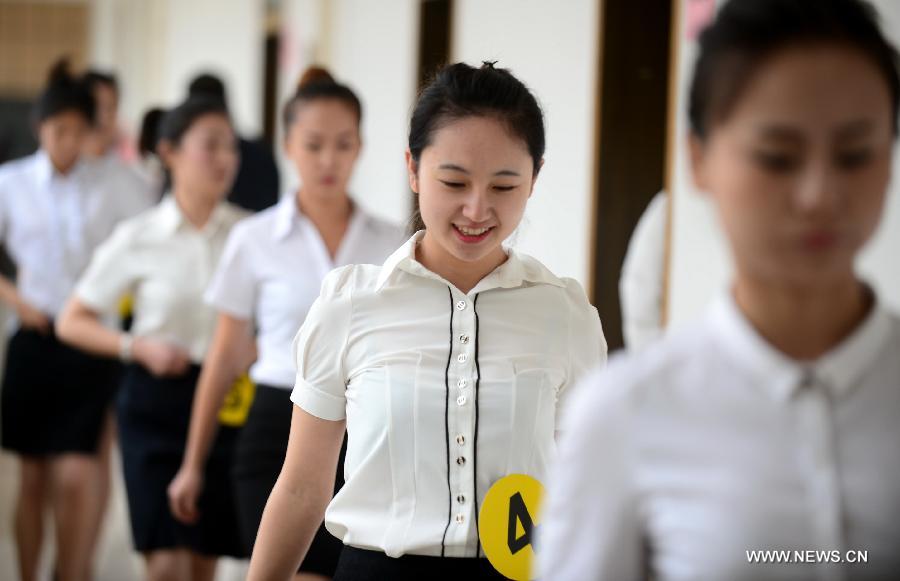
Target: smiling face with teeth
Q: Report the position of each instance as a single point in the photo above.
(473, 182)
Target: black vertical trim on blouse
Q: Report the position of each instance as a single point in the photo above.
(447, 426)
(475, 443)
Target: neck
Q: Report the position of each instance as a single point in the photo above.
(803, 323)
(462, 274)
(63, 170)
(324, 209)
(197, 209)
(96, 147)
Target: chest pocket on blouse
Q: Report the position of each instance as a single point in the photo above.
(519, 401)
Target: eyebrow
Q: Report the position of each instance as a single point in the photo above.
(853, 129)
(317, 135)
(780, 133)
(454, 167)
(858, 128)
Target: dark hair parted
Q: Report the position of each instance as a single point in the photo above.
(176, 122)
(64, 92)
(747, 32)
(94, 78)
(317, 83)
(460, 90)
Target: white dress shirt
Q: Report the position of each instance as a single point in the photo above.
(272, 270)
(51, 223)
(444, 392)
(166, 263)
(641, 285)
(125, 180)
(711, 443)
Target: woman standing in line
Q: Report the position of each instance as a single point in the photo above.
(446, 364)
(165, 258)
(772, 423)
(53, 213)
(270, 274)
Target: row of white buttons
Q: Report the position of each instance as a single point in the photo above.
(461, 401)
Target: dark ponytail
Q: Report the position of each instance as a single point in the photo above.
(64, 92)
(317, 83)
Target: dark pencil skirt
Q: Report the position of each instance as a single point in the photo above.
(362, 565)
(153, 416)
(260, 454)
(54, 398)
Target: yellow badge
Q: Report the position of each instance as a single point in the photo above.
(507, 522)
(126, 306)
(237, 402)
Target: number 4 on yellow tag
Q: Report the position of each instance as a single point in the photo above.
(507, 522)
(236, 406)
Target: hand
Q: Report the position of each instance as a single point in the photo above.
(184, 490)
(32, 318)
(162, 359)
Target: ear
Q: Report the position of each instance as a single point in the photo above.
(412, 169)
(166, 151)
(698, 159)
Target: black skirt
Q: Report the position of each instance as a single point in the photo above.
(54, 398)
(153, 416)
(362, 565)
(259, 457)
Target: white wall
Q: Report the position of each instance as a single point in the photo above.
(553, 48)
(156, 47)
(700, 265)
(373, 48)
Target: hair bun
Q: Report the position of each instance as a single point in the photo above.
(314, 75)
(59, 72)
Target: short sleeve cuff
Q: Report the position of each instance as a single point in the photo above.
(95, 300)
(220, 302)
(318, 403)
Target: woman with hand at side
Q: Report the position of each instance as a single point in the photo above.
(164, 258)
(270, 274)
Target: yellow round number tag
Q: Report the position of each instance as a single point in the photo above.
(507, 523)
(236, 406)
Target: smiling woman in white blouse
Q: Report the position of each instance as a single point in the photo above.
(165, 258)
(446, 364)
(772, 424)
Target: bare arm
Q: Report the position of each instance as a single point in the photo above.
(297, 504)
(81, 327)
(30, 317)
(229, 355)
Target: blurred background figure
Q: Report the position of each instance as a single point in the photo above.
(269, 276)
(769, 425)
(256, 185)
(55, 400)
(165, 258)
(642, 284)
(105, 138)
(149, 164)
(110, 155)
